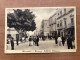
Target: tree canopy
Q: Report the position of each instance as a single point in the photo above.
(21, 20)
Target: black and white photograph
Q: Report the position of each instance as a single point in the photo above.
(40, 30)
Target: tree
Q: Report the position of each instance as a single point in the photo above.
(21, 20)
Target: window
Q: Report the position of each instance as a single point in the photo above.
(64, 10)
(57, 25)
(61, 12)
(60, 23)
(65, 22)
(72, 19)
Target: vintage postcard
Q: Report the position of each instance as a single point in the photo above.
(40, 30)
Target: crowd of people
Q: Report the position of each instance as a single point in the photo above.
(59, 40)
(35, 40)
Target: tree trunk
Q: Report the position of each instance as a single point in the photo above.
(19, 37)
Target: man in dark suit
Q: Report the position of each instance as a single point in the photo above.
(63, 40)
(69, 42)
(56, 42)
(30, 39)
(37, 41)
(12, 43)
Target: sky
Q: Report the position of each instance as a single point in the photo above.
(40, 13)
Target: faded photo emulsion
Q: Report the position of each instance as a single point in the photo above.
(40, 30)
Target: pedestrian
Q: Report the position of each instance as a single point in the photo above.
(30, 41)
(56, 42)
(63, 40)
(12, 43)
(59, 41)
(34, 40)
(37, 41)
(23, 39)
(7, 42)
(69, 42)
(42, 37)
(26, 38)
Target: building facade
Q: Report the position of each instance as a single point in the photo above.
(65, 21)
(12, 32)
(15, 34)
(45, 27)
(62, 22)
(52, 25)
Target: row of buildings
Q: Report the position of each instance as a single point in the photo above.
(60, 23)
